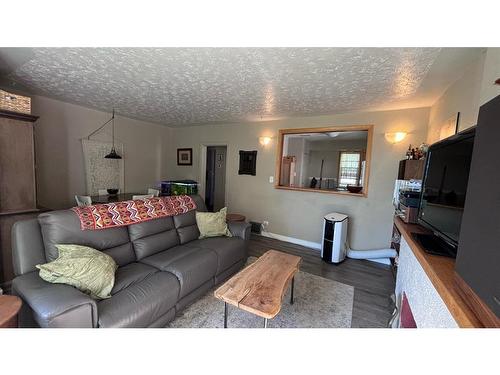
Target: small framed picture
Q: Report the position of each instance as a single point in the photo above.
(184, 156)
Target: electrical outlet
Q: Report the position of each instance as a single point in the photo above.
(271, 179)
(265, 224)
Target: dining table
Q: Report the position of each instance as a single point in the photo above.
(109, 198)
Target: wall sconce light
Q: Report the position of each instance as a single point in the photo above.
(264, 141)
(395, 137)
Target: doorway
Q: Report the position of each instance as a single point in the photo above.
(215, 191)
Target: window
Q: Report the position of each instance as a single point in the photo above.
(349, 168)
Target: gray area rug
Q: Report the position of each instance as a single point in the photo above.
(318, 303)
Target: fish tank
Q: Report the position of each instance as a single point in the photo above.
(178, 187)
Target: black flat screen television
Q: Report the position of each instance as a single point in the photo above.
(444, 188)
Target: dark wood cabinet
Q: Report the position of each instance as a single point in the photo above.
(411, 169)
(17, 181)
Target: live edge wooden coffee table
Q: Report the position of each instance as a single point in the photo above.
(259, 288)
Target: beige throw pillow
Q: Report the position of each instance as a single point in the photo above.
(212, 224)
(87, 269)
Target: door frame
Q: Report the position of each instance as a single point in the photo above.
(203, 169)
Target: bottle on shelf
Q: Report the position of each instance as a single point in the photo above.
(408, 153)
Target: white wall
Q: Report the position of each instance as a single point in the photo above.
(467, 94)
(299, 214)
(491, 73)
(59, 155)
(462, 96)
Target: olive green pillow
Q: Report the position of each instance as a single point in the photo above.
(212, 224)
(87, 269)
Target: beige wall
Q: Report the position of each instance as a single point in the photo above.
(300, 214)
(467, 94)
(59, 155)
(462, 96)
(490, 74)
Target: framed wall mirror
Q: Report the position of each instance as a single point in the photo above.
(333, 160)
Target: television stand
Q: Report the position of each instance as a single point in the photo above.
(434, 245)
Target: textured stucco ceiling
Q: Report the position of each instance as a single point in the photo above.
(182, 86)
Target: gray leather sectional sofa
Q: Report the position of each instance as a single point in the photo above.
(163, 267)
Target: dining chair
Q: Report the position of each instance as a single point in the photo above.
(83, 200)
(145, 196)
(155, 192)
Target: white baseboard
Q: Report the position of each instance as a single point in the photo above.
(297, 241)
(312, 245)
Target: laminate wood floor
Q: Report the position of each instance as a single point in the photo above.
(373, 282)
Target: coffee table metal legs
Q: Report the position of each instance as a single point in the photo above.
(225, 315)
(265, 320)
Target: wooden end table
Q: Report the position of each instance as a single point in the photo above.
(235, 217)
(9, 308)
(260, 287)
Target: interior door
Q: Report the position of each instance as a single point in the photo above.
(210, 179)
(215, 194)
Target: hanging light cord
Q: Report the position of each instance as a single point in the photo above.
(113, 129)
(103, 125)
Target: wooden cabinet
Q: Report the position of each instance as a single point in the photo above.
(411, 169)
(287, 177)
(17, 162)
(17, 180)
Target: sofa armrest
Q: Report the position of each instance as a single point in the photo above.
(55, 305)
(239, 229)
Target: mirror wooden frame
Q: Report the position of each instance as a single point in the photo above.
(281, 137)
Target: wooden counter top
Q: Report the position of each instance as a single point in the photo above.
(440, 271)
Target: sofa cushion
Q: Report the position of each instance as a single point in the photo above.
(89, 270)
(153, 236)
(191, 265)
(155, 243)
(185, 224)
(63, 227)
(186, 227)
(147, 228)
(140, 304)
(130, 274)
(230, 250)
(164, 258)
(212, 224)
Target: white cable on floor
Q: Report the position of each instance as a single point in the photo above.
(370, 254)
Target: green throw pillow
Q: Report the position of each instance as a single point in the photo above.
(87, 269)
(212, 224)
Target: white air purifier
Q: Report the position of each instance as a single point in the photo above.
(334, 248)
